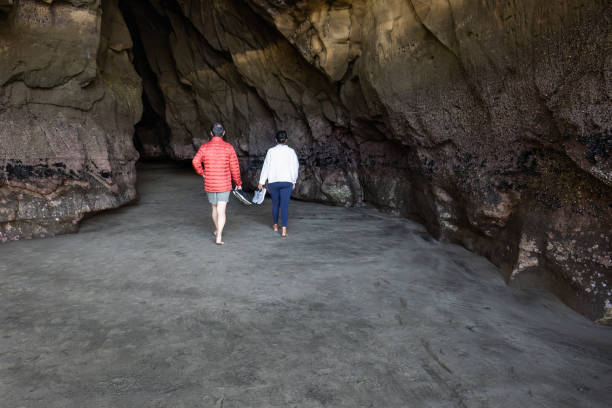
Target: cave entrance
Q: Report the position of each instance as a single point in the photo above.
(152, 133)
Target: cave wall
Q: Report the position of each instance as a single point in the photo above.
(488, 121)
(69, 97)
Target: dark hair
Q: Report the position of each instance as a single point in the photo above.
(217, 129)
(281, 136)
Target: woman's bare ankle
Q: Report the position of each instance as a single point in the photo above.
(275, 227)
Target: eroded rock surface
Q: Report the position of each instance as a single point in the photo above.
(69, 97)
(488, 121)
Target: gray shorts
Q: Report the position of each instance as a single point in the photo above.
(214, 198)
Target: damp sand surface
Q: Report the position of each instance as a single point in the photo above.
(353, 309)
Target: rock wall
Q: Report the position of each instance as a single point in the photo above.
(488, 121)
(69, 97)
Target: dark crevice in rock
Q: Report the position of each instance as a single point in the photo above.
(5, 6)
(151, 133)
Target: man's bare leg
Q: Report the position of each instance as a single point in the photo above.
(214, 217)
(221, 206)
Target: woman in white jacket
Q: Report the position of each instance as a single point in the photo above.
(280, 169)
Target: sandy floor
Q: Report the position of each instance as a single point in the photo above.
(353, 309)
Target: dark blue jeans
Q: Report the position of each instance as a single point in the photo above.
(281, 194)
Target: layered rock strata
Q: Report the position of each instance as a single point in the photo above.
(488, 121)
(69, 97)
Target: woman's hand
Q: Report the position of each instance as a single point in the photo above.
(293, 186)
(259, 187)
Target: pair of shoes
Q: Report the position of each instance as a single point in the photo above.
(259, 196)
(241, 196)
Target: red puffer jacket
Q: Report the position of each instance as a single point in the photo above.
(220, 165)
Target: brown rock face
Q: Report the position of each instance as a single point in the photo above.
(69, 97)
(489, 121)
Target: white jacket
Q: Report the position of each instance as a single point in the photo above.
(281, 164)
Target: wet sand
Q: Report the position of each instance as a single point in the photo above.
(353, 309)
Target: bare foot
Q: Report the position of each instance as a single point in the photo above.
(219, 242)
(284, 233)
(275, 228)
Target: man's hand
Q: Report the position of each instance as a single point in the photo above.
(259, 187)
(293, 186)
(238, 187)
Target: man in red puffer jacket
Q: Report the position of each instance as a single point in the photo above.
(217, 162)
